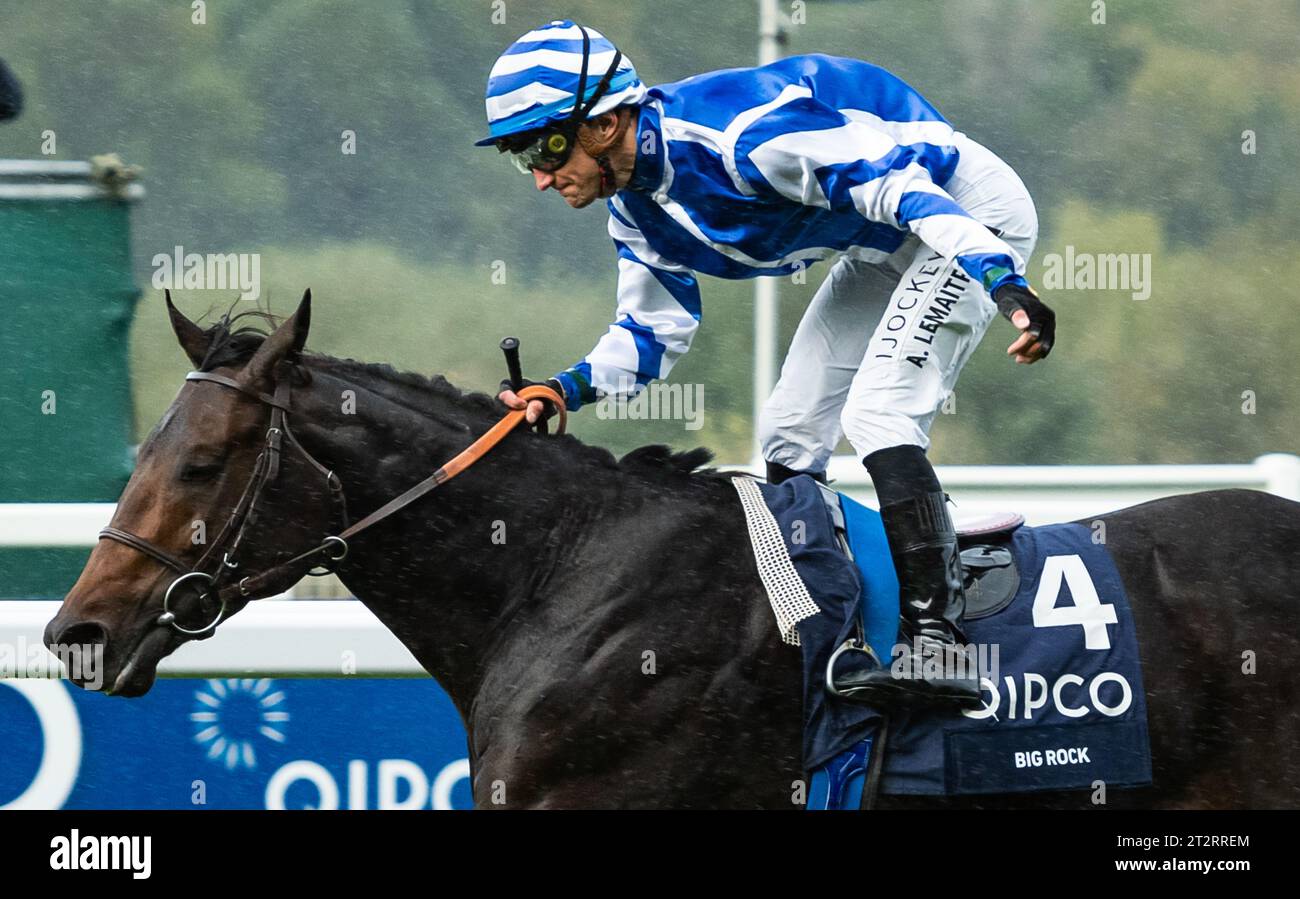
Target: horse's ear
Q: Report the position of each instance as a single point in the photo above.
(192, 338)
(287, 341)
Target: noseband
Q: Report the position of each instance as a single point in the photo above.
(332, 549)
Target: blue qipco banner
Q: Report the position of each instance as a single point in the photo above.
(234, 743)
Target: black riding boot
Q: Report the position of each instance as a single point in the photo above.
(936, 668)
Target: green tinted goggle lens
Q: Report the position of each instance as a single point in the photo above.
(547, 153)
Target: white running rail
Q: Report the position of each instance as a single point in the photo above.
(335, 638)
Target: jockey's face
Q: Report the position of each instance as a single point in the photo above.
(578, 180)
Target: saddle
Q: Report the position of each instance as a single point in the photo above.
(1046, 609)
(989, 569)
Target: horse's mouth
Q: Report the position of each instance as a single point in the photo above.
(140, 670)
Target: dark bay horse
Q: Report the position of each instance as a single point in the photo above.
(600, 624)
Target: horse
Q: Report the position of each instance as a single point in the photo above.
(599, 623)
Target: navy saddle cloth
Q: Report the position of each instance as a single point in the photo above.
(1064, 705)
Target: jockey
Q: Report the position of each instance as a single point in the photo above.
(760, 172)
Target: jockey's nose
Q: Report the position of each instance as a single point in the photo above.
(542, 179)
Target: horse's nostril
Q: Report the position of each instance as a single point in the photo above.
(82, 633)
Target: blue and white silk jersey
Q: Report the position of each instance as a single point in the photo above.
(763, 171)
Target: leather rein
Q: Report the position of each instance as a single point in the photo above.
(333, 548)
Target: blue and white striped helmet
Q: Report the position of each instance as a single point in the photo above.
(536, 81)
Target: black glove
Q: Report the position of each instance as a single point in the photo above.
(1042, 320)
(548, 408)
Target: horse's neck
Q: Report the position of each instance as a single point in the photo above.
(542, 589)
(447, 574)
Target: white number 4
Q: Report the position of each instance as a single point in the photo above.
(1088, 611)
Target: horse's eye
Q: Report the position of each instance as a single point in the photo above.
(200, 471)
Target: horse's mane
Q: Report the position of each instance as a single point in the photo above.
(233, 340)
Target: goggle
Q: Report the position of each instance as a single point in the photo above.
(544, 152)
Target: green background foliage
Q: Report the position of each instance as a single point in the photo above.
(1128, 134)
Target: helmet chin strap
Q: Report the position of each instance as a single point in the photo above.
(578, 116)
(607, 183)
(600, 152)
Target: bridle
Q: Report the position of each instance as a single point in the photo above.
(334, 547)
(582, 109)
